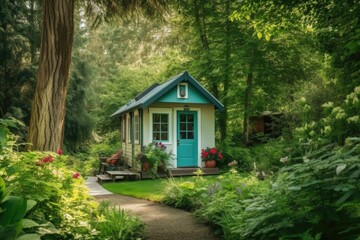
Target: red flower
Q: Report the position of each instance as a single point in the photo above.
(213, 150)
(47, 159)
(60, 152)
(220, 155)
(76, 175)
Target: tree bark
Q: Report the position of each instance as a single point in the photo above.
(48, 108)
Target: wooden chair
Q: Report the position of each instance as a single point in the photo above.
(110, 163)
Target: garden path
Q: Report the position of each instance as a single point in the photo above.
(161, 222)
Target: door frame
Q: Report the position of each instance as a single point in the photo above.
(199, 133)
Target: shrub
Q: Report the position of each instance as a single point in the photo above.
(59, 197)
(319, 197)
(186, 195)
(117, 224)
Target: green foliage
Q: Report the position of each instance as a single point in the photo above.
(185, 194)
(319, 196)
(58, 196)
(338, 122)
(13, 209)
(117, 224)
(242, 156)
(19, 41)
(157, 156)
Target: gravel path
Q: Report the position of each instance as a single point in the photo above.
(162, 222)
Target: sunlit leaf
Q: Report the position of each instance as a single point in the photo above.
(340, 168)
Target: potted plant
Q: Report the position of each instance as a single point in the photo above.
(210, 156)
(154, 158)
(145, 164)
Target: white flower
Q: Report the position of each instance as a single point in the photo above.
(284, 159)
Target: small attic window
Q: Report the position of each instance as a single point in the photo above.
(182, 90)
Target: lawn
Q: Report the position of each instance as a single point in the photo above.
(150, 189)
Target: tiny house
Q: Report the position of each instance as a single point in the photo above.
(179, 113)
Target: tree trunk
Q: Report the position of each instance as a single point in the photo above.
(48, 109)
(247, 100)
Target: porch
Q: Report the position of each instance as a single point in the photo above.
(128, 174)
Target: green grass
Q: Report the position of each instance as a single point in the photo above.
(151, 189)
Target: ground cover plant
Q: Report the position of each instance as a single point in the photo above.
(315, 198)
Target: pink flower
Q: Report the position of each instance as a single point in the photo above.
(60, 152)
(76, 175)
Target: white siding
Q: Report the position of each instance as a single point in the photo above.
(206, 126)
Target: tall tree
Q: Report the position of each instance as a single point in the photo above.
(46, 130)
(48, 108)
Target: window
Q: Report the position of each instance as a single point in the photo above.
(136, 129)
(160, 127)
(182, 90)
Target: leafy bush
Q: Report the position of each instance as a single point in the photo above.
(338, 122)
(187, 195)
(242, 156)
(319, 198)
(59, 197)
(116, 223)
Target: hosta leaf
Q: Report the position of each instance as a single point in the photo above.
(344, 197)
(340, 168)
(32, 236)
(30, 204)
(14, 210)
(28, 223)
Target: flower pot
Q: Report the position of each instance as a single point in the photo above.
(210, 163)
(146, 166)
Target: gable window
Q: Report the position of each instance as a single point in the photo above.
(160, 126)
(136, 129)
(182, 90)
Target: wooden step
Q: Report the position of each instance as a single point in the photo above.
(101, 178)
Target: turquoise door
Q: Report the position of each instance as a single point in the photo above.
(187, 139)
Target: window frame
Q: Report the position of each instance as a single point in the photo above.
(167, 111)
(186, 90)
(136, 127)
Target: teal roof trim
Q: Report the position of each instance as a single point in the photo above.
(158, 91)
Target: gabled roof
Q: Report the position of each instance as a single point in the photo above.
(155, 91)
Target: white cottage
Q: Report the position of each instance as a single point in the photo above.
(179, 113)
